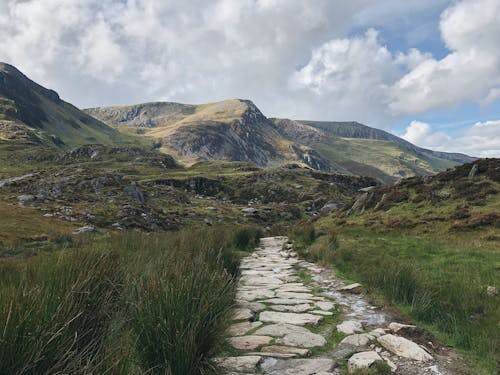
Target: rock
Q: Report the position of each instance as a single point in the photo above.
(473, 171)
(352, 288)
(322, 312)
(260, 280)
(362, 360)
(240, 329)
(377, 332)
(434, 370)
(350, 327)
(291, 318)
(243, 314)
(239, 364)
(359, 204)
(367, 189)
(444, 195)
(297, 366)
(250, 342)
(302, 340)
(329, 207)
(134, 192)
(362, 339)
(252, 295)
(491, 291)
(279, 330)
(396, 327)
(85, 229)
(404, 347)
(286, 350)
(254, 306)
(294, 295)
(249, 211)
(211, 208)
(292, 308)
(25, 198)
(323, 305)
(286, 301)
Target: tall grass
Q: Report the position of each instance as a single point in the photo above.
(443, 287)
(127, 304)
(54, 312)
(178, 315)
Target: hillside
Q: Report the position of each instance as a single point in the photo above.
(236, 130)
(30, 113)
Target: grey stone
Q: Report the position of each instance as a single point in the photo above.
(250, 342)
(362, 360)
(291, 318)
(239, 364)
(404, 347)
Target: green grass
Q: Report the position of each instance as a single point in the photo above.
(123, 304)
(441, 286)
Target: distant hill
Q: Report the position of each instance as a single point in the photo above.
(33, 114)
(236, 130)
(231, 130)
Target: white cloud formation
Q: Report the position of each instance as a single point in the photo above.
(294, 58)
(481, 139)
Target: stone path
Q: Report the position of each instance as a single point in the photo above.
(285, 326)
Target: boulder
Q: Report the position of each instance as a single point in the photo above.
(404, 347)
(396, 327)
(491, 291)
(361, 339)
(362, 360)
(350, 327)
(352, 288)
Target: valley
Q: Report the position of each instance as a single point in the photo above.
(144, 232)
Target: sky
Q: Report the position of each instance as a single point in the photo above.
(426, 70)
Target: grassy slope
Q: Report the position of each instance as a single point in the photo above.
(433, 257)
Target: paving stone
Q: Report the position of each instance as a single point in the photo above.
(260, 280)
(286, 350)
(302, 340)
(286, 301)
(291, 318)
(254, 306)
(240, 329)
(292, 308)
(279, 330)
(243, 314)
(250, 342)
(294, 295)
(324, 305)
(296, 366)
(252, 295)
(239, 364)
(321, 312)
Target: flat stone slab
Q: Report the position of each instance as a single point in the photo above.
(286, 301)
(292, 308)
(404, 347)
(296, 366)
(294, 295)
(291, 318)
(252, 295)
(302, 340)
(350, 327)
(322, 313)
(240, 329)
(239, 364)
(362, 360)
(254, 306)
(279, 330)
(250, 342)
(294, 287)
(324, 305)
(286, 350)
(260, 280)
(243, 314)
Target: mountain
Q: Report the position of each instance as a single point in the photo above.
(233, 130)
(30, 113)
(236, 130)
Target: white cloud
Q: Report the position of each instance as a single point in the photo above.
(481, 139)
(292, 57)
